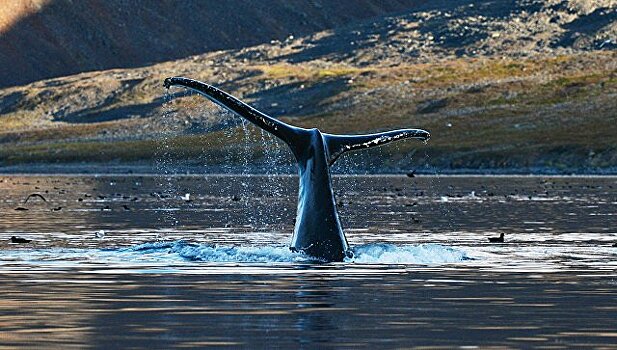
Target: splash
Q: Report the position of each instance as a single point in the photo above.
(423, 254)
(215, 253)
(178, 253)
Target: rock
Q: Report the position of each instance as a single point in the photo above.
(431, 106)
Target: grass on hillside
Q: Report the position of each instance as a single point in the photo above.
(496, 112)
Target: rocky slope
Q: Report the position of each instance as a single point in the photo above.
(502, 86)
(49, 38)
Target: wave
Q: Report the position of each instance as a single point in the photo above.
(168, 253)
(425, 254)
(217, 253)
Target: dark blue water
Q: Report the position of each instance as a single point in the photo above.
(146, 261)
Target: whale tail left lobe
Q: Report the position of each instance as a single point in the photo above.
(288, 133)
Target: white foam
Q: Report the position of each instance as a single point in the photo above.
(216, 253)
(181, 253)
(366, 254)
(424, 254)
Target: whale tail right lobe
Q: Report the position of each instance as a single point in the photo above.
(339, 144)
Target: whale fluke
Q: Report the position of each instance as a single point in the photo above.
(318, 230)
(276, 127)
(339, 144)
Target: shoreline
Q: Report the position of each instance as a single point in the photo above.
(183, 170)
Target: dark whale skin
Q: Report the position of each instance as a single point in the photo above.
(318, 231)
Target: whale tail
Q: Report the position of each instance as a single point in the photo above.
(336, 145)
(318, 231)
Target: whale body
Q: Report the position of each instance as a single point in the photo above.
(318, 231)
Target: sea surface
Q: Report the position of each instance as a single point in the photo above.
(195, 261)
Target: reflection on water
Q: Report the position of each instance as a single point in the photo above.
(411, 307)
(212, 268)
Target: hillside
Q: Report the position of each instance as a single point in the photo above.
(42, 39)
(502, 86)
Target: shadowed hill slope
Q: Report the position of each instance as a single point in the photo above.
(62, 37)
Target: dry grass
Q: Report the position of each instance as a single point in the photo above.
(498, 112)
(307, 72)
(451, 72)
